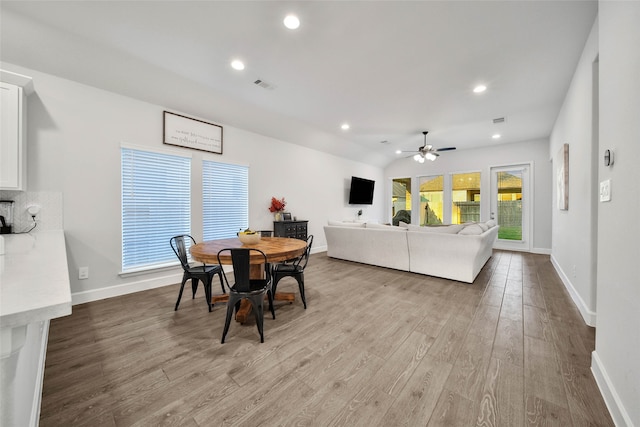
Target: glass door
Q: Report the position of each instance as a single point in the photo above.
(510, 206)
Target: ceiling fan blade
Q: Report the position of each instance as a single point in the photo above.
(446, 149)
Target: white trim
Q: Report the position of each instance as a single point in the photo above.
(528, 200)
(516, 246)
(318, 249)
(588, 315)
(151, 268)
(541, 251)
(213, 157)
(169, 152)
(25, 82)
(124, 289)
(617, 410)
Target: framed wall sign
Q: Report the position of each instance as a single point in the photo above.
(191, 133)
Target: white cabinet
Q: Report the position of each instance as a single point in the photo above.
(13, 130)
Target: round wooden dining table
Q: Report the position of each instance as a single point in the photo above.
(275, 248)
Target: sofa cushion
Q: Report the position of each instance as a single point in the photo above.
(384, 227)
(483, 225)
(491, 223)
(471, 229)
(347, 224)
(444, 229)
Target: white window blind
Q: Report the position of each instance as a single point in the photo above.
(225, 199)
(156, 205)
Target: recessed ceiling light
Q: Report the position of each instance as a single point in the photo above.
(236, 64)
(496, 136)
(291, 22)
(398, 152)
(345, 126)
(479, 89)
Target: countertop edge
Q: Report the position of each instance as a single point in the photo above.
(47, 251)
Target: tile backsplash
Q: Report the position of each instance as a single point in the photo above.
(49, 217)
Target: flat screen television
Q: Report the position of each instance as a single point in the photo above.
(361, 191)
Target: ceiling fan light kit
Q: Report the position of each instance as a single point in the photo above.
(428, 152)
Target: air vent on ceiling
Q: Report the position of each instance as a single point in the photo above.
(499, 120)
(264, 84)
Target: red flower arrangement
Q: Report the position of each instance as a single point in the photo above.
(277, 205)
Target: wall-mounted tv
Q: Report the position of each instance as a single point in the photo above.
(361, 191)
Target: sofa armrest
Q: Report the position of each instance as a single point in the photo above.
(453, 256)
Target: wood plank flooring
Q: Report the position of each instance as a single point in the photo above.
(375, 347)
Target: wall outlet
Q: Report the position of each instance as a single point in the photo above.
(83, 273)
(605, 191)
(573, 271)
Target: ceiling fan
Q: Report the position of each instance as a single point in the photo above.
(427, 151)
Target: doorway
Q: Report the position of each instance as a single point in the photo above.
(511, 205)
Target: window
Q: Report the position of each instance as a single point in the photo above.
(431, 200)
(156, 205)
(225, 199)
(401, 200)
(465, 197)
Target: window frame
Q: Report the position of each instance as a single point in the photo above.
(230, 225)
(183, 225)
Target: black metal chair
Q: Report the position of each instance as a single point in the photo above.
(293, 269)
(244, 287)
(203, 272)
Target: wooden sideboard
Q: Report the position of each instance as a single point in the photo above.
(296, 229)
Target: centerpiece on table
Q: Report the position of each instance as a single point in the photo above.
(277, 206)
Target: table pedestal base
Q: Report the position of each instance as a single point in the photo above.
(245, 306)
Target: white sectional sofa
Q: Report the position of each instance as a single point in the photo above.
(456, 252)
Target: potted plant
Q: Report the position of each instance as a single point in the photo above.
(277, 206)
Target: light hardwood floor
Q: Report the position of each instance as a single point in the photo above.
(375, 347)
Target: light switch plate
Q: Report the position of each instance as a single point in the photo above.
(605, 191)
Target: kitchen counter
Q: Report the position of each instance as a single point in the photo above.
(34, 288)
(34, 278)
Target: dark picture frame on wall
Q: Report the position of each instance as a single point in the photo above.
(183, 131)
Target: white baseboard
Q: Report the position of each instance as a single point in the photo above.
(541, 251)
(588, 315)
(124, 289)
(316, 249)
(617, 410)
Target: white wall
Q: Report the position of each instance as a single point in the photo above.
(482, 160)
(616, 360)
(74, 137)
(575, 230)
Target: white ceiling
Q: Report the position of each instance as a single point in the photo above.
(390, 69)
